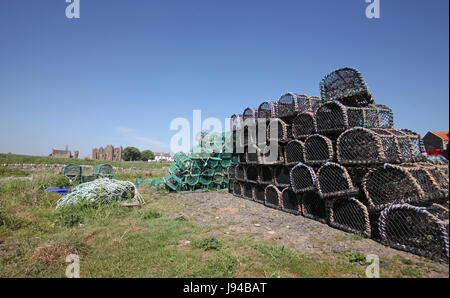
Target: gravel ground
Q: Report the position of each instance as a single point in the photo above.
(237, 216)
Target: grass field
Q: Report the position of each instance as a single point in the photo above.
(114, 241)
(30, 159)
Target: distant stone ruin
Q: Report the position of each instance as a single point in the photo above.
(108, 153)
(64, 153)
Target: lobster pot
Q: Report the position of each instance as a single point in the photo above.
(72, 170)
(218, 178)
(237, 188)
(283, 133)
(334, 117)
(314, 207)
(303, 178)
(307, 103)
(272, 197)
(391, 185)
(334, 181)
(248, 191)
(207, 176)
(420, 230)
(267, 110)
(249, 113)
(240, 173)
(236, 122)
(290, 201)
(304, 125)
(238, 137)
(265, 175)
(281, 176)
(272, 154)
(253, 154)
(251, 174)
(259, 192)
(318, 150)
(231, 185)
(173, 182)
(287, 105)
(347, 86)
(363, 146)
(191, 179)
(294, 152)
(350, 215)
(437, 159)
(430, 180)
(250, 128)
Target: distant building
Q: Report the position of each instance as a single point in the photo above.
(108, 153)
(161, 156)
(63, 153)
(436, 142)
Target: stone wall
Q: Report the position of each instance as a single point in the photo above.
(109, 153)
(59, 168)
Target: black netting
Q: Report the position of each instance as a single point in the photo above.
(304, 125)
(231, 172)
(240, 173)
(314, 207)
(282, 177)
(303, 178)
(272, 157)
(253, 155)
(265, 175)
(249, 113)
(267, 110)
(283, 133)
(260, 194)
(248, 191)
(252, 174)
(318, 150)
(236, 122)
(331, 117)
(273, 197)
(350, 215)
(420, 230)
(287, 105)
(346, 85)
(294, 152)
(425, 175)
(290, 201)
(237, 189)
(334, 181)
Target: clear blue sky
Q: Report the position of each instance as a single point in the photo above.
(126, 68)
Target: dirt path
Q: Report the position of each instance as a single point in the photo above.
(237, 216)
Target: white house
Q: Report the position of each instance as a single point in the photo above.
(161, 156)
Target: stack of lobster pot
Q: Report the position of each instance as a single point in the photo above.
(341, 161)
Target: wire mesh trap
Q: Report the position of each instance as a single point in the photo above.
(290, 104)
(250, 129)
(290, 201)
(240, 173)
(253, 154)
(304, 125)
(278, 131)
(334, 117)
(282, 176)
(259, 193)
(272, 197)
(303, 178)
(249, 113)
(272, 154)
(248, 191)
(104, 170)
(294, 152)
(314, 207)
(350, 215)
(265, 175)
(237, 188)
(346, 85)
(420, 230)
(267, 110)
(251, 174)
(366, 146)
(236, 122)
(334, 181)
(318, 150)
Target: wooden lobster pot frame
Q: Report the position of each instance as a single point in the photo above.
(250, 132)
(240, 173)
(236, 121)
(333, 117)
(231, 172)
(290, 104)
(334, 181)
(231, 185)
(294, 152)
(314, 207)
(304, 125)
(395, 184)
(265, 175)
(350, 215)
(303, 178)
(267, 110)
(251, 173)
(270, 158)
(282, 176)
(283, 133)
(272, 197)
(318, 150)
(259, 192)
(249, 113)
(420, 230)
(290, 201)
(237, 188)
(371, 146)
(247, 192)
(346, 85)
(253, 155)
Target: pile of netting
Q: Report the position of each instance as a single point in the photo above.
(204, 168)
(338, 159)
(102, 189)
